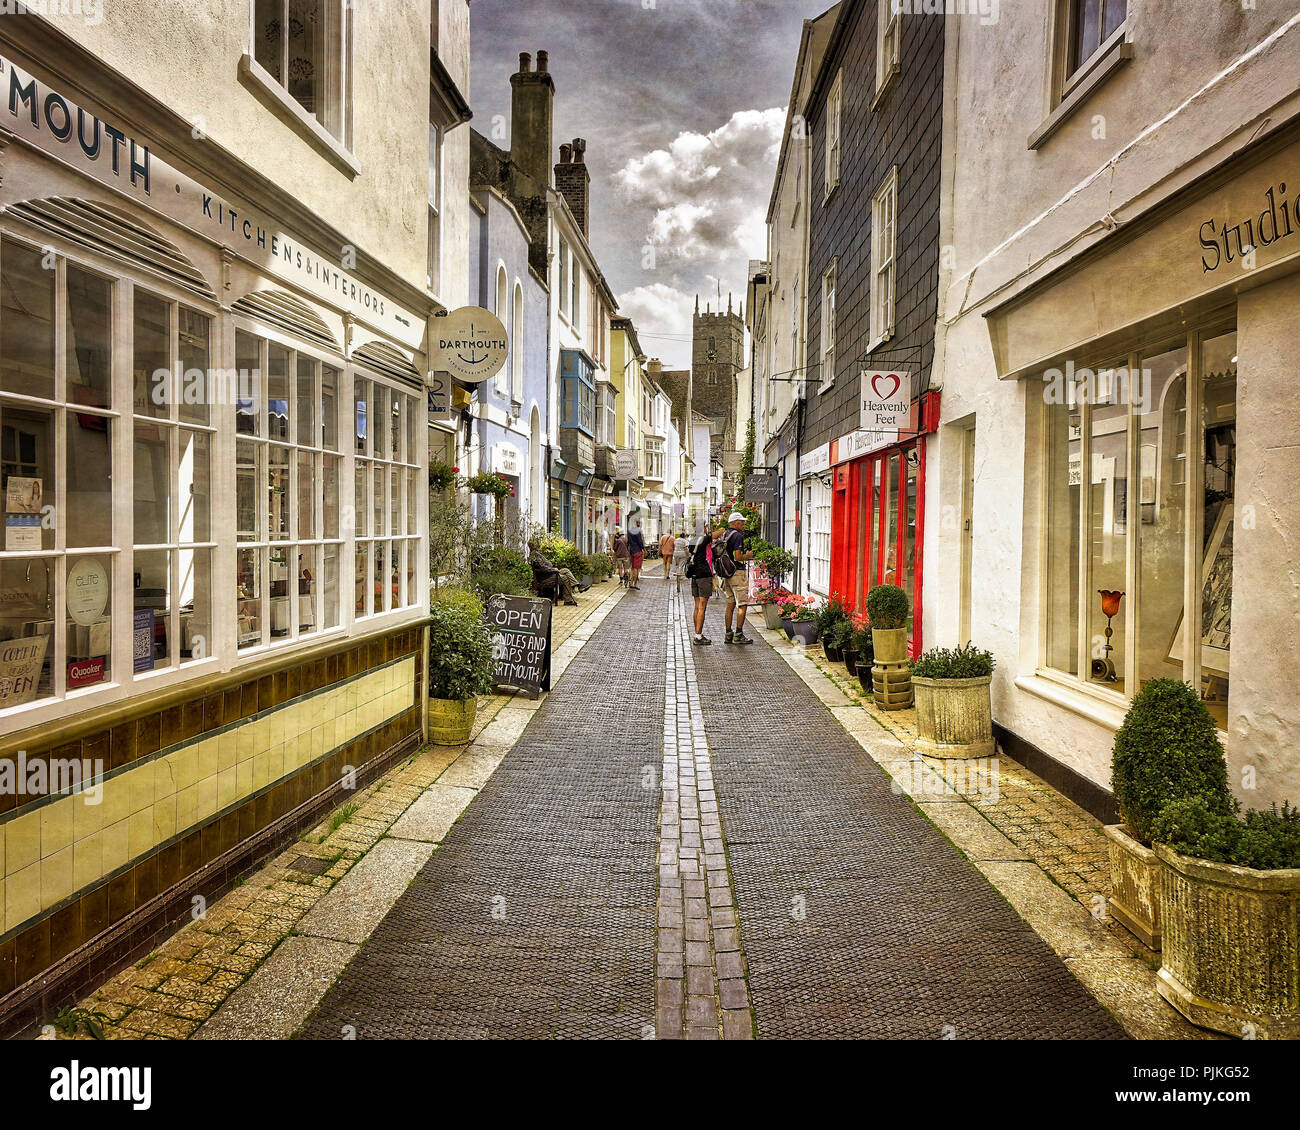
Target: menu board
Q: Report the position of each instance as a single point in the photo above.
(521, 644)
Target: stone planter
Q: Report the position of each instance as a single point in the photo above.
(1135, 885)
(851, 660)
(1231, 946)
(805, 630)
(954, 717)
(772, 617)
(889, 645)
(450, 722)
(891, 674)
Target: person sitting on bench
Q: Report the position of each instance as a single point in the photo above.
(547, 578)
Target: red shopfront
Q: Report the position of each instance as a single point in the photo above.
(878, 512)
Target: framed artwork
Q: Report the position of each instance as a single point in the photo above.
(1216, 597)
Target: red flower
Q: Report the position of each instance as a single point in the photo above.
(455, 470)
(1110, 599)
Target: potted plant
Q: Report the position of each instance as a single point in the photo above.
(954, 708)
(803, 626)
(839, 644)
(769, 598)
(442, 475)
(859, 656)
(829, 616)
(1230, 906)
(790, 606)
(460, 669)
(1167, 749)
(887, 609)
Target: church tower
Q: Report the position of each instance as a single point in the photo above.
(718, 354)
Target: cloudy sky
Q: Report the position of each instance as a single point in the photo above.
(682, 103)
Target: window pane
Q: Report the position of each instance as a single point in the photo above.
(412, 488)
(1113, 14)
(248, 361)
(152, 492)
(1108, 533)
(88, 620)
(26, 323)
(379, 421)
(26, 629)
(195, 594)
(1087, 30)
(27, 463)
(361, 500)
(412, 430)
(196, 391)
(1162, 506)
(330, 508)
(1219, 419)
(306, 495)
(891, 521)
(306, 409)
(385, 575)
(195, 486)
(153, 592)
(89, 499)
(363, 571)
(307, 55)
(152, 355)
(89, 339)
(278, 493)
(330, 607)
(277, 391)
(250, 597)
(282, 558)
(329, 407)
(360, 394)
(268, 27)
(395, 502)
(247, 478)
(377, 515)
(1064, 474)
(395, 428)
(308, 571)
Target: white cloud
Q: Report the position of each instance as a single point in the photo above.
(705, 195)
(662, 316)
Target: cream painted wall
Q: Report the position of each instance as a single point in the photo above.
(454, 51)
(186, 53)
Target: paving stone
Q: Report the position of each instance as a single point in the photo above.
(433, 813)
(361, 899)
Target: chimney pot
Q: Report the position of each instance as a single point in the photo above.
(580, 150)
(565, 153)
(525, 62)
(543, 62)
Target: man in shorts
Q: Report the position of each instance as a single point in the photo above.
(636, 549)
(700, 572)
(735, 587)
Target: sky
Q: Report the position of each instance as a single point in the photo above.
(682, 103)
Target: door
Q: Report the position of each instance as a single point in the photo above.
(892, 508)
(967, 527)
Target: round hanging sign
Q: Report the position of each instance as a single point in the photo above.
(87, 590)
(470, 343)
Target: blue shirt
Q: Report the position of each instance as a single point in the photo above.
(635, 543)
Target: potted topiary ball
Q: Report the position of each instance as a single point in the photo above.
(954, 709)
(1167, 749)
(887, 608)
(460, 669)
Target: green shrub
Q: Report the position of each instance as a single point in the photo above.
(460, 654)
(563, 554)
(453, 596)
(1167, 749)
(842, 635)
(601, 565)
(778, 562)
(830, 613)
(501, 571)
(887, 607)
(969, 662)
(1265, 841)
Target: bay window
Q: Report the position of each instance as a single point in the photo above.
(1139, 492)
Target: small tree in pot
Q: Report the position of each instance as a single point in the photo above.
(460, 668)
(1167, 749)
(863, 650)
(887, 608)
(829, 616)
(954, 710)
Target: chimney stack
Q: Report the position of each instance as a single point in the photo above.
(574, 180)
(532, 117)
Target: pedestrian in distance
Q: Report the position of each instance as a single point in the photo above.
(681, 554)
(622, 558)
(699, 569)
(636, 552)
(732, 579)
(667, 543)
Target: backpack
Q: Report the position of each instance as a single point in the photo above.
(723, 563)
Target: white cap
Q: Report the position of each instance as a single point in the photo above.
(736, 516)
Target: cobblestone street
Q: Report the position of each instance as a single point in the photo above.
(852, 915)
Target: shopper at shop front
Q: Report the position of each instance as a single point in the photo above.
(733, 578)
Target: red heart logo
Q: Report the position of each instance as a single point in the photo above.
(881, 377)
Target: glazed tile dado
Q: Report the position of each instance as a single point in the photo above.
(60, 845)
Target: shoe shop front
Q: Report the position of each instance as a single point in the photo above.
(213, 579)
(1161, 515)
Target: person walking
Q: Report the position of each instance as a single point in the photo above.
(667, 544)
(733, 579)
(700, 571)
(636, 552)
(681, 554)
(622, 559)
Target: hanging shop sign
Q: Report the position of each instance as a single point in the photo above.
(521, 644)
(442, 409)
(760, 487)
(816, 460)
(863, 442)
(885, 399)
(625, 460)
(111, 155)
(470, 343)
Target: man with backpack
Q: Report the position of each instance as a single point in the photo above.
(734, 580)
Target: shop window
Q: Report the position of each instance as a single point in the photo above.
(287, 476)
(1125, 481)
(58, 436)
(386, 497)
(817, 507)
(304, 47)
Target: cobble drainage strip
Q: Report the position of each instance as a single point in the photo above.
(700, 990)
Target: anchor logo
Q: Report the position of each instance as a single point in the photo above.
(471, 359)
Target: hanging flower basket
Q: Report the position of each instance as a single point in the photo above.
(489, 482)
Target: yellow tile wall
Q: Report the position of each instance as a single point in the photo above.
(50, 853)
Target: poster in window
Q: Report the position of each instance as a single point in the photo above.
(1216, 597)
(21, 661)
(142, 647)
(23, 496)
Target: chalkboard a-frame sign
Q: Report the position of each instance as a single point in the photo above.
(521, 643)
